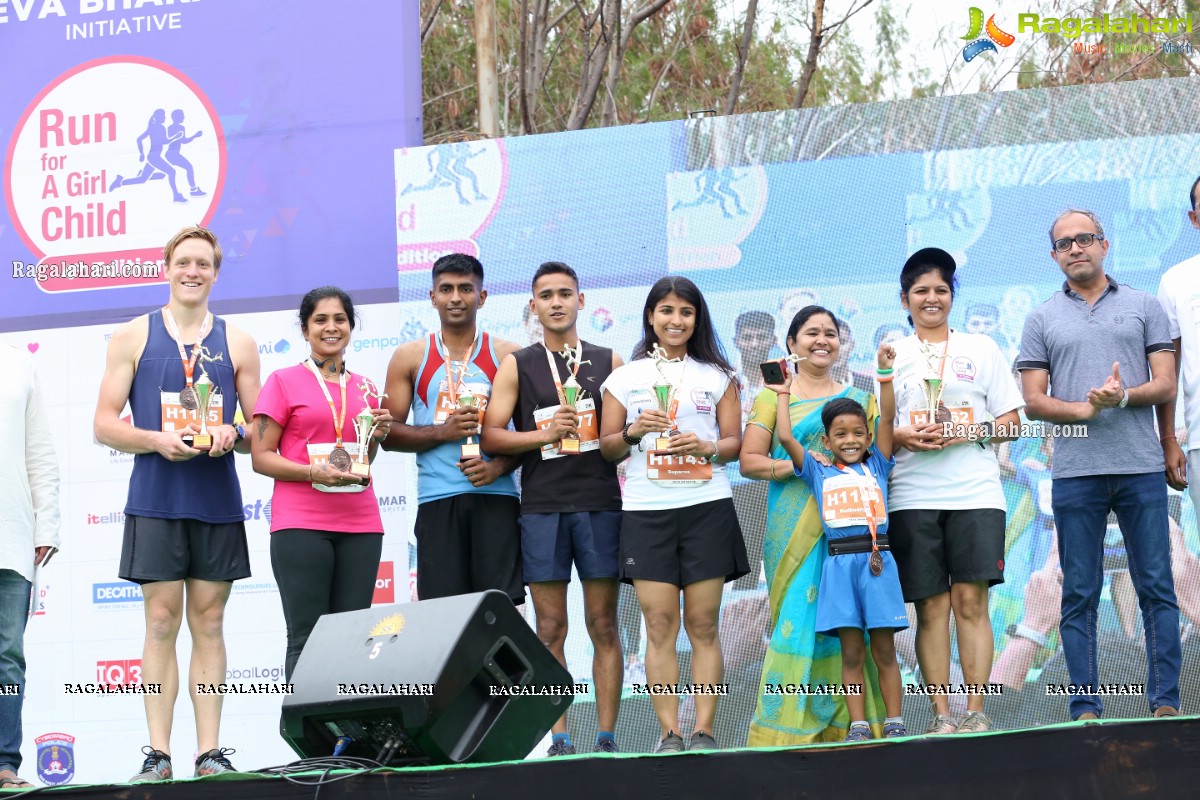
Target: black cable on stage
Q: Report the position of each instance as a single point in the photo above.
(359, 766)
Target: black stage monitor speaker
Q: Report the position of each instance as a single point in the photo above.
(442, 681)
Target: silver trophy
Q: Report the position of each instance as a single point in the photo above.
(364, 428)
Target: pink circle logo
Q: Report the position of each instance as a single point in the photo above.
(105, 164)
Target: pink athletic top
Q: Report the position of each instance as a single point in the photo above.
(292, 398)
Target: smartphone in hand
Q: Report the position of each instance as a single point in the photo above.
(772, 372)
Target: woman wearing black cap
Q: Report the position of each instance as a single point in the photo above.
(955, 397)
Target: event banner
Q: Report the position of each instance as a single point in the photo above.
(268, 121)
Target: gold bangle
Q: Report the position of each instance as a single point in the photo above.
(774, 461)
(310, 473)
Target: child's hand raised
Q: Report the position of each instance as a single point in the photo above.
(886, 356)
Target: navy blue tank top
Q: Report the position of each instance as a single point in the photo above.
(202, 488)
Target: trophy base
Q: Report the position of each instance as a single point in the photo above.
(471, 451)
(568, 446)
(360, 469)
(662, 443)
(202, 441)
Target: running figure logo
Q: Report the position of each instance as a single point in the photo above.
(451, 170)
(716, 187)
(995, 36)
(161, 158)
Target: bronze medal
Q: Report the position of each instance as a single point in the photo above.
(943, 415)
(187, 398)
(876, 563)
(339, 459)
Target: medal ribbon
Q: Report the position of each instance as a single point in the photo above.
(868, 502)
(452, 379)
(558, 387)
(941, 372)
(189, 364)
(338, 419)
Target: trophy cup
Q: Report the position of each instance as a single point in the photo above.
(467, 399)
(205, 390)
(364, 428)
(572, 391)
(932, 385)
(663, 391)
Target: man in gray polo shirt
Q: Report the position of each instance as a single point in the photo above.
(1095, 345)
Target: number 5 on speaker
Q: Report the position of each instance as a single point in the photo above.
(375, 650)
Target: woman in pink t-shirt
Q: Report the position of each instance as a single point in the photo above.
(326, 532)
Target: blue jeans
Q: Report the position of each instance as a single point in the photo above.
(14, 610)
(1081, 507)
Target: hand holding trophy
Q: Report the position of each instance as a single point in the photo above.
(467, 399)
(365, 425)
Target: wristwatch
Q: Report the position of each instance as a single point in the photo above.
(1023, 632)
(989, 430)
(241, 433)
(1124, 396)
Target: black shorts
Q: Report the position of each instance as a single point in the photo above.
(156, 549)
(934, 549)
(681, 546)
(469, 543)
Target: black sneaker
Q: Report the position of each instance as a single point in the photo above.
(703, 741)
(214, 762)
(606, 746)
(156, 767)
(671, 743)
(561, 749)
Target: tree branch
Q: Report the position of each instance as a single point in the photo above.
(735, 82)
(814, 50)
(430, 19)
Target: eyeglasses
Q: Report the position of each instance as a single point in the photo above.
(1083, 240)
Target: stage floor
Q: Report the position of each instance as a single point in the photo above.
(1151, 758)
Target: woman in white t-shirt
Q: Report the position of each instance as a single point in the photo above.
(955, 397)
(679, 530)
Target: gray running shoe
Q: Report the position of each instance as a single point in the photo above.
(156, 767)
(703, 741)
(975, 722)
(671, 743)
(941, 724)
(214, 762)
(606, 746)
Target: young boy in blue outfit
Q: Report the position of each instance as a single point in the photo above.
(860, 585)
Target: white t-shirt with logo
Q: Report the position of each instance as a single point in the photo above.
(702, 387)
(978, 387)
(1179, 294)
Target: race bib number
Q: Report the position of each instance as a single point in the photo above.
(959, 415)
(445, 405)
(845, 498)
(589, 429)
(667, 470)
(318, 456)
(175, 416)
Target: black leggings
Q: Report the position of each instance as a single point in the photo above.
(321, 572)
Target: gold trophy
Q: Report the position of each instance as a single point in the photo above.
(467, 399)
(663, 391)
(364, 429)
(572, 391)
(206, 390)
(932, 385)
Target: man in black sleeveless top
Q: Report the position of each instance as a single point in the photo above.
(570, 497)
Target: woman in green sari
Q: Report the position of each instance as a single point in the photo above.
(795, 550)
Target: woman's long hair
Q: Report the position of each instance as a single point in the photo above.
(703, 345)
